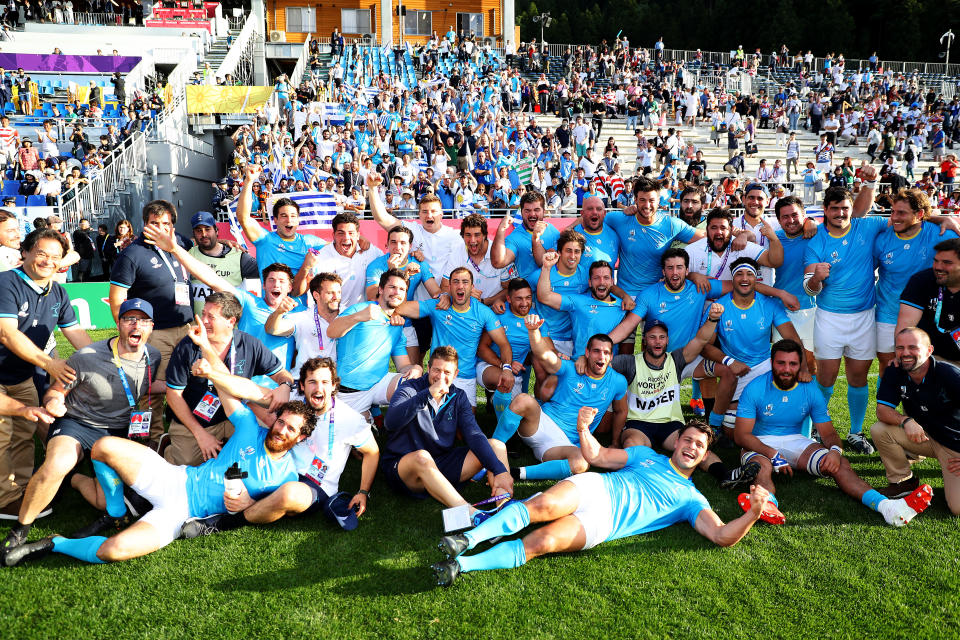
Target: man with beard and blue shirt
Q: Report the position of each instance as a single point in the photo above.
(901, 250)
(459, 320)
(518, 246)
(601, 242)
(548, 429)
(646, 492)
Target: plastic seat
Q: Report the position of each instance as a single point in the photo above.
(10, 188)
(36, 201)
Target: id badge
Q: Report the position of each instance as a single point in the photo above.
(139, 424)
(181, 294)
(208, 406)
(317, 470)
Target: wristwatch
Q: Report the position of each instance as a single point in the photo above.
(289, 384)
(364, 492)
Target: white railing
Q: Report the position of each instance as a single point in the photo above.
(301, 65)
(137, 77)
(252, 30)
(100, 19)
(89, 200)
(170, 55)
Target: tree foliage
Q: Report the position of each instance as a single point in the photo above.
(895, 29)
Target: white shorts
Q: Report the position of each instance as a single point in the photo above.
(802, 321)
(483, 366)
(469, 387)
(411, 335)
(564, 347)
(691, 366)
(744, 380)
(790, 447)
(885, 337)
(547, 436)
(165, 486)
(377, 394)
(845, 334)
(594, 511)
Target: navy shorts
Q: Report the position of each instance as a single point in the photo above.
(82, 433)
(450, 465)
(657, 432)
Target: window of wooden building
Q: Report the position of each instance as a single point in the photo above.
(470, 23)
(301, 19)
(355, 21)
(418, 23)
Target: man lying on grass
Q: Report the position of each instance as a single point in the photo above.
(179, 493)
(648, 491)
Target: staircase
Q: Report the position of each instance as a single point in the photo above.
(218, 51)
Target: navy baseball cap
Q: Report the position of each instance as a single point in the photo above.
(338, 508)
(653, 323)
(136, 304)
(756, 185)
(203, 219)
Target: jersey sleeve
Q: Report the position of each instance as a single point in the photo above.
(874, 225)
(178, 369)
(374, 270)
(619, 387)
(695, 505)
(747, 407)
(779, 312)
(681, 230)
(425, 271)
(400, 344)
(888, 391)
(244, 422)
(265, 363)
(124, 272)
(818, 405)
(491, 321)
(716, 289)
(514, 242)
(811, 254)
(427, 308)
(67, 316)
(314, 242)
(913, 293)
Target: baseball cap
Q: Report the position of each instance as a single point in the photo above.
(203, 219)
(653, 323)
(136, 304)
(755, 186)
(338, 508)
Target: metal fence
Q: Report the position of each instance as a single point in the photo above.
(101, 19)
(90, 200)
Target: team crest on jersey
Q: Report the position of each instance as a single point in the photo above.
(578, 387)
(785, 399)
(249, 451)
(888, 258)
(834, 257)
(155, 263)
(768, 410)
(663, 307)
(448, 319)
(728, 325)
(24, 310)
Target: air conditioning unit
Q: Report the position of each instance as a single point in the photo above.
(490, 41)
(368, 38)
(278, 36)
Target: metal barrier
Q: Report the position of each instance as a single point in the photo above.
(101, 19)
(90, 200)
(239, 59)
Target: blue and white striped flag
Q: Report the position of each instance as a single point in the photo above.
(235, 230)
(317, 208)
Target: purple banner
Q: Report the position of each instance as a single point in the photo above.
(68, 64)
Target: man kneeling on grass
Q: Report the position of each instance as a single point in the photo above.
(179, 493)
(648, 491)
(770, 418)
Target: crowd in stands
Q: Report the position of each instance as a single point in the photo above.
(464, 133)
(17, 13)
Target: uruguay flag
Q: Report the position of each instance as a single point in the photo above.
(317, 208)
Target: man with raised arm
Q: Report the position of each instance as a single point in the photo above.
(646, 492)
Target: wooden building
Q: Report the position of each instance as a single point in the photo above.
(293, 20)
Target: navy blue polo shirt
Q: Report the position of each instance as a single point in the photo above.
(38, 312)
(252, 358)
(141, 270)
(934, 403)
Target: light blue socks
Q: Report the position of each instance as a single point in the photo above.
(112, 489)
(81, 548)
(507, 425)
(506, 555)
(511, 519)
(550, 470)
(857, 398)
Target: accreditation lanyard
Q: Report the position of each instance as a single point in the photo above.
(166, 261)
(316, 321)
(331, 428)
(723, 263)
(123, 375)
(936, 315)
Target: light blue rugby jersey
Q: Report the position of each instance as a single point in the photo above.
(780, 412)
(745, 333)
(850, 285)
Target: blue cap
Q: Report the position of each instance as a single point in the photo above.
(653, 323)
(203, 219)
(337, 507)
(136, 304)
(756, 186)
